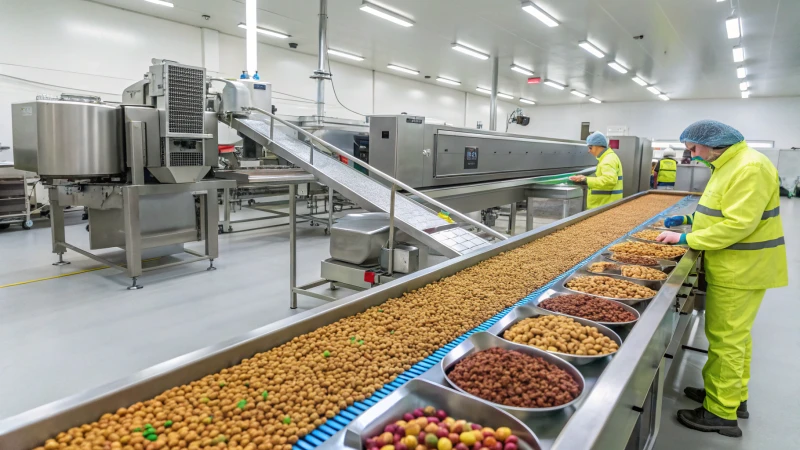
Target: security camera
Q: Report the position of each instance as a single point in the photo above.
(292, 44)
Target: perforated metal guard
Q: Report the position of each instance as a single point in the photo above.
(412, 217)
(185, 89)
(193, 158)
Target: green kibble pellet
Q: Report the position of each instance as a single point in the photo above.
(167, 424)
(287, 420)
(380, 310)
(326, 353)
(247, 385)
(264, 395)
(221, 384)
(241, 404)
(352, 338)
(138, 429)
(361, 342)
(151, 437)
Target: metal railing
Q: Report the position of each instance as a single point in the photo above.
(395, 183)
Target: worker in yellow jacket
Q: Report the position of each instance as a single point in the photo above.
(737, 224)
(666, 170)
(606, 186)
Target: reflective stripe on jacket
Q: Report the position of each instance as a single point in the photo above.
(738, 223)
(606, 186)
(667, 168)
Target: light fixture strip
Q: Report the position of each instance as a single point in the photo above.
(537, 12)
(525, 100)
(586, 45)
(489, 92)
(577, 93)
(618, 67)
(470, 51)
(345, 55)
(403, 69)
(521, 70)
(386, 14)
(448, 81)
(639, 81)
(734, 27)
(663, 97)
(741, 72)
(553, 84)
(594, 100)
(266, 32)
(745, 94)
(653, 90)
(162, 3)
(738, 54)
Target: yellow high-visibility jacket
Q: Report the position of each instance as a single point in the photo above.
(667, 169)
(606, 186)
(738, 223)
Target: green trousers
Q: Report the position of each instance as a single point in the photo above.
(730, 314)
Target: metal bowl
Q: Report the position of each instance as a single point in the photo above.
(550, 293)
(665, 265)
(632, 239)
(628, 301)
(420, 393)
(484, 341)
(618, 272)
(528, 311)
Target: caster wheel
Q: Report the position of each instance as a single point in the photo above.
(221, 229)
(327, 232)
(251, 202)
(4, 226)
(27, 225)
(87, 227)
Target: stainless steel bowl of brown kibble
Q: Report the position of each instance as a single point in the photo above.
(612, 287)
(606, 312)
(573, 339)
(627, 271)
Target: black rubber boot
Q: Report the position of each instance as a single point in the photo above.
(701, 420)
(699, 395)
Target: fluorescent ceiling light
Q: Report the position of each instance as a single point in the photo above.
(537, 12)
(616, 66)
(521, 70)
(448, 81)
(663, 97)
(653, 90)
(161, 2)
(403, 69)
(345, 55)
(745, 94)
(553, 84)
(525, 100)
(594, 100)
(738, 54)
(468, 51)
(741, 72)
(577, 94)
(489, 91)
(744, 85)
(639, 81)
(384, 13)
(264, 31)
(734, 27)
(586, 45)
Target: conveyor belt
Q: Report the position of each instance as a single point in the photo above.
(324, 432)
(413, 218)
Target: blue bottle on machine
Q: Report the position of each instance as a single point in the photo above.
(255, 76)
(244, 75)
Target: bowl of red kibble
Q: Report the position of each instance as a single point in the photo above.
(428, 428)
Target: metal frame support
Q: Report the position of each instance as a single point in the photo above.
(57, 228)
(133, 236)
(211, 223)
(320, 75)
(330, 209)
(136, 150)
(512, 218)
(292, 246)
(493, 98)
(391, 230)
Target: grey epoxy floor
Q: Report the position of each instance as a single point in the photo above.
(774, 389)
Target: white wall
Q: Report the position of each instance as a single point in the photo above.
(774, 119)
(78, 46)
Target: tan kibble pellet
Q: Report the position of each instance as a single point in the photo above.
(367, 351)
(642, 273)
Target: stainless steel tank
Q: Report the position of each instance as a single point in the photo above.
(70, 137)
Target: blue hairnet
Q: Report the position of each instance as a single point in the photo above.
(712, 134)
(598, 139)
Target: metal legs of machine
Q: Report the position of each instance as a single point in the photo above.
(161, 217)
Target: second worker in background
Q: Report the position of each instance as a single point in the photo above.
(606, 186)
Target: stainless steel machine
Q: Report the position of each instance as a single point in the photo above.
(137, 167)
(425, 155)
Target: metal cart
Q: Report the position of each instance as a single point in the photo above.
(15, 205)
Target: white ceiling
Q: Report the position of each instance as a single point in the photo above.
(685, 52)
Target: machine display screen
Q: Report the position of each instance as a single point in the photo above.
(470, 157)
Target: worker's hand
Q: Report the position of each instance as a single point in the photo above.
(580, 179)
(670, 237)
(673, 221)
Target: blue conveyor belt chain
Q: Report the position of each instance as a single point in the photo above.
(341, 420)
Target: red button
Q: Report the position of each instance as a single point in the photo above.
(369, 277)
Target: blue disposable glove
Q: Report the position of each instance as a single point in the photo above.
(673, 221)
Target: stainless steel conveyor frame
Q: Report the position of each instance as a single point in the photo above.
(605, 420)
